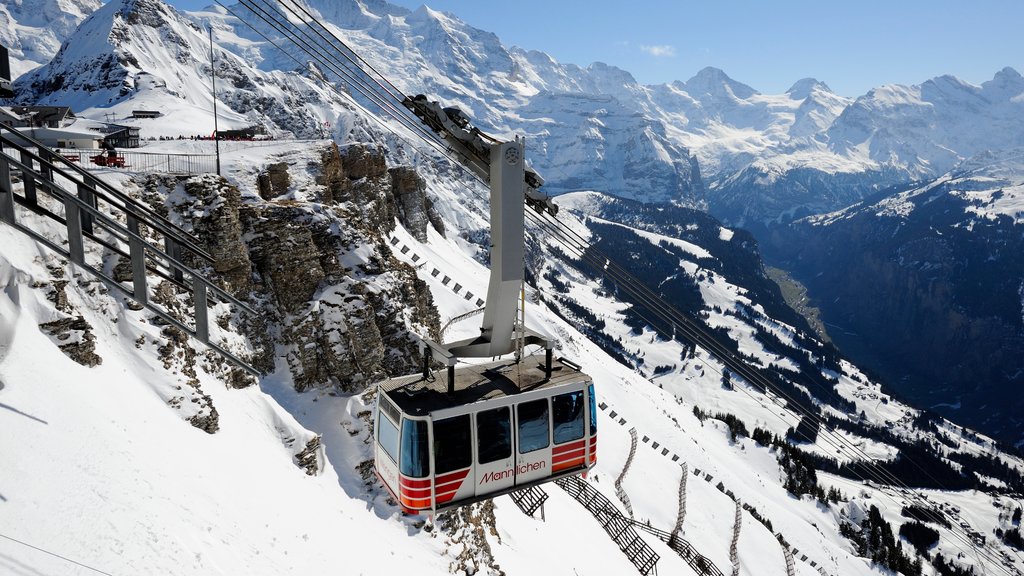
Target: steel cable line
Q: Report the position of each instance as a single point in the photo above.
(305, 43)
(299, 62)
(278, 21)
(55, 555)
(357, 72)
(348, 50)
(609, 265)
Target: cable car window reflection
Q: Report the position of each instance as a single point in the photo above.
(593, 410)
(452, 448)
(388, 434)
(568, 412)
(414, 448)
(494, 435)
(533, 425)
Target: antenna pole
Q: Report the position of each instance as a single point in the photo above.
(213, 88)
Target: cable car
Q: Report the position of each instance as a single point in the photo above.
(495, 427)
(506, 426)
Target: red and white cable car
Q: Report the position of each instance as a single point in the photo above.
(506, 427)
(497, 427)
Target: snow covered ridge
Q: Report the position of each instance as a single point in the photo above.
(709, 140)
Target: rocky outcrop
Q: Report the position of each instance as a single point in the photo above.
(73, 335)
(284, 254)
(358, 175)
(338, 307)
(178, 355)
(415, 210)
(273, 181)
(308, 458)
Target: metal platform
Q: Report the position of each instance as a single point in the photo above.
(416, 395)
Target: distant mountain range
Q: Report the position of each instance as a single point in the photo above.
(707, 142)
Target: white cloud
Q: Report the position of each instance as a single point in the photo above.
(660, 51)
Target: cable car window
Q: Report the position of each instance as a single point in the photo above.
(414, 448)
(452, 448)
(387, 436)
(532, 418)
(494, 435)
(593, 410)
(568, 412)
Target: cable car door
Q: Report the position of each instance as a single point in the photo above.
(494, 464)
(533, 440)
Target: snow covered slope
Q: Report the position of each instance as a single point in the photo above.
(33, 30)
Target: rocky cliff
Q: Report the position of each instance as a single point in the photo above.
(337, 307)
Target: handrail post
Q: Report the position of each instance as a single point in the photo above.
(201, 312)
(45, 158)
(76, 244)
(85, 194)
(137, 249)
(6, 191)
(30, 183)
(173, 250)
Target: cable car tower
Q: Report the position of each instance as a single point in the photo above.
(463, 434)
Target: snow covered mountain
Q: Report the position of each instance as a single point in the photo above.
(33, 30)
(935, 266)
(336, 248)
(709, 141)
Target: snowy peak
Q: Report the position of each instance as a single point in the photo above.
(1007, 83)
(357, 14)
(33, 30)
(804, 87)
(714, 84)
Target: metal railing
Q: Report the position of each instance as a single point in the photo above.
(100, 217)
(92, 159)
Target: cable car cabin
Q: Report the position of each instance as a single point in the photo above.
(504, 426)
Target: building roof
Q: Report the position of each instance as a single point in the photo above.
(44, 113)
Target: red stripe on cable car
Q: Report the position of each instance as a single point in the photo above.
(416, 504)
(416, 492)
(567, 464)
(450, 491)
(446, 496)
(568, 455)
(449, 477)
(569, 447)
(448, 485)
(414, 483)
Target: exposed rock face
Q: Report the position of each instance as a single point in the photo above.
(284, 255)
(220, 230)
(415, 209)
(337, 186)
(74, 337)
(338, 306)
(208, 207)
(178, 355)
(308, 458)
(466, 530)
(359, 175)
(274, 181)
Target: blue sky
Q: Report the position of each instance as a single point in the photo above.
(851, 46)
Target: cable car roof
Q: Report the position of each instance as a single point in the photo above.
(415, 395)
